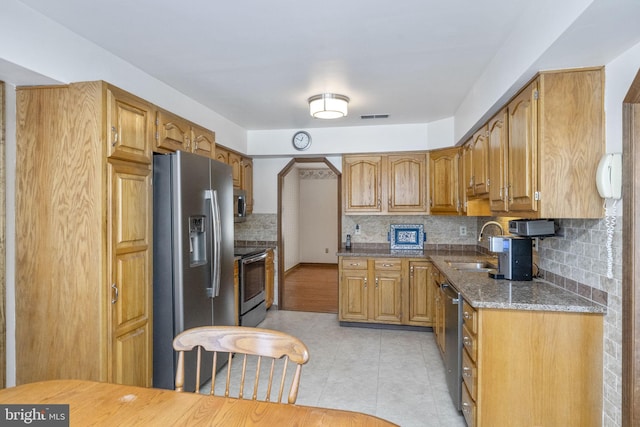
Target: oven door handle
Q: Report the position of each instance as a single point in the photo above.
(212, 196)
(254, 258)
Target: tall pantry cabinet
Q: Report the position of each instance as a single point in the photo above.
(83, 234)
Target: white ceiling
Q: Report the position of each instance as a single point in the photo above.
(256, 62)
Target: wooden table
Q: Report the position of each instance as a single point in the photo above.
(95, 403)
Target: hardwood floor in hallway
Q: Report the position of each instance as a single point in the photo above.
(311, 287)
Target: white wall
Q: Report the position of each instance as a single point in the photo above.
(34, 42)
(318, 233)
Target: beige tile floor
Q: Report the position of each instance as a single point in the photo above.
(396, 375)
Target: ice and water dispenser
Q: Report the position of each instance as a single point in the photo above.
(197, 240)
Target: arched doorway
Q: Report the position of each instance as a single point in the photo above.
(284, 244)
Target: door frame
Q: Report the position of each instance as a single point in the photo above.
(281, 246)
(630, 256)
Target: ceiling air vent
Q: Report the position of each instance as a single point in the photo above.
(375, 116)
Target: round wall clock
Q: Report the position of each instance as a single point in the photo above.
(301, 140)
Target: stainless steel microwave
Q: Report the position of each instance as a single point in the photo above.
(239, 205)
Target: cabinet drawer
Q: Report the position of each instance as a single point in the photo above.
(469, 374)
(354, 263)
(470, 316)
(468, 408)
(469, 342)
(388, 264)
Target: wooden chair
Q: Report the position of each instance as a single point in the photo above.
(261, 343)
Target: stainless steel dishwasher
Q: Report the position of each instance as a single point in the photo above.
(453, 342)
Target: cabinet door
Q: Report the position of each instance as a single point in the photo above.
(480, 162)
(353, 295)
(130, 273)
(498, 162)
(406, 183)
(523, 150)
(387, 299)
(203, 141)
(269, 279)
(129, 127)
(221, 155)
(421, 293)
(235, 161)
(362, 177)
(467, 169)
(247, 182)
(443, 167)
(174, 133)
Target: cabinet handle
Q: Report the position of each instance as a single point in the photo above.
(411, 271)
(376, 282)
(115, 136)
(188, 143)
(365, 283)
(466, 315)
(466, 341)
(379, 204)
(115, 293)
(431, 202)
(466, 372)
(387, 265)
(355, 264)
(507, 193)
(465, 407)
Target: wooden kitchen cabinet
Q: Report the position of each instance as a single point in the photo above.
(354, 292)
(176, 133)
(480, 162)
(385, 184)
(247, 182)
(269, 278)
(498, 160)
(84, 234)
(545, 367)
(444, 198)
(466, 164)
(386, 290)
(242, 172)
(421, 297)
(555, 140)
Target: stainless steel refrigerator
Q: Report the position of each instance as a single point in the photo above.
(193, 256)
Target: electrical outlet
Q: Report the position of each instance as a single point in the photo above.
(463, 230)
(357, 229)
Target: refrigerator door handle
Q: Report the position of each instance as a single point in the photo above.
(212, 196)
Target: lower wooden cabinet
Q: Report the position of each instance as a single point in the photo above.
(386, 290)
(269, 278)
(531, 368)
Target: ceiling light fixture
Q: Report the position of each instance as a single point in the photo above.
(328, 106)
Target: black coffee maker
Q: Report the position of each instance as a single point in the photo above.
(515, 257)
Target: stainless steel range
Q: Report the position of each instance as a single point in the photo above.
(253, 308)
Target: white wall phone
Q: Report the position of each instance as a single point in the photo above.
(609, 176)
(609, 183)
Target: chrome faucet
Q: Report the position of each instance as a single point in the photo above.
(496, 223)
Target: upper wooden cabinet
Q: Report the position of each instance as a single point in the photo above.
(555, 140)
(247, 182)
(83, 234)
(235, 161)
(480, 162)
(175, 133)
(242, 172)
(443, 181)
(385, 184)
(498, 160)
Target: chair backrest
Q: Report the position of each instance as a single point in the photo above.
(249, 342)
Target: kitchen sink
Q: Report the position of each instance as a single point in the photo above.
(471, 266)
